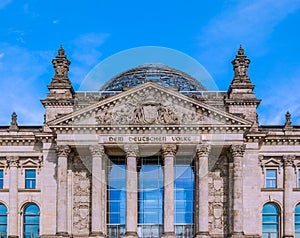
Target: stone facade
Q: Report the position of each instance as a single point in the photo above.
(230, 152)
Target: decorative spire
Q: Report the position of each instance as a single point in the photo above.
(61, 66)
(13, 123)
(240, 67)
(288, 123)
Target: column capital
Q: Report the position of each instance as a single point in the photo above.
(288, 160)
(12, 161)
(131, 150)
(203, 150)
(63, 150)
(97, 150)
(238, 150)
(169, 150)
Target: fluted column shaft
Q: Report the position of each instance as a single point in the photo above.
(237, 152)
(288, 214)
(63, 152)
(168, 152)
(131, 191)
(97, 152)
(201, 180)
(13, 196)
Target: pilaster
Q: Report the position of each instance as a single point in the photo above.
(168, 152)
(13, 224)
(132, 152)
(288, 214)
(201, 187)
(98, 153)
(63, 152)
(237, 152)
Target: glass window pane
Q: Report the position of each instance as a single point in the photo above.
(3, 209)
(270, 221)
(30, 174)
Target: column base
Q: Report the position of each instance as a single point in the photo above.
(169, 234)
(202, 234)
(131, 234)
(98, 235)
(238, 235)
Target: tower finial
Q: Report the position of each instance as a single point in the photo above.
(241, 50)
(288, 122)
(61, 51)
(13, 123)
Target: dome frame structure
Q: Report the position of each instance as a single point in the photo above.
(156, 73)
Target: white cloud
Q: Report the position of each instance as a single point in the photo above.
(86, 53)
(23, 84)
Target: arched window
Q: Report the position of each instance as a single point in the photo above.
(31, 221)
(270, 221)
(297, 221)
(3, 221)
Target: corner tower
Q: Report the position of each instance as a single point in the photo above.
(241, 100)
(60, 99)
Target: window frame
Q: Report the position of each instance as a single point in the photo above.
(32, 181)
(278, 217)
(4, 215)
(272, 178)
(31, 215)
(1, 178)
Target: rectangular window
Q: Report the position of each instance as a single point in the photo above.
(271, 178)
(299, 178)
(1, 178)
(30, 178)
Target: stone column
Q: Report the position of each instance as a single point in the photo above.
(168, 152)
(13, 197)
(97, 152)
(288, 213)
(63, 152)
(201, 186)
(131, 191)
(237, 152)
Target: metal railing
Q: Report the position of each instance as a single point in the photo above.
(31, 235)
(115, 230)
(184, 231)
(150, 230)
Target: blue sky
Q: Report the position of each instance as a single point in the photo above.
(210, 31)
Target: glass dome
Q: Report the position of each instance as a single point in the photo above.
(156, 73)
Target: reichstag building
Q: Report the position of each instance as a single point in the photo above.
(152, 154)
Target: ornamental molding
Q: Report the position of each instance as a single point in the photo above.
(131, 150)
(12, 161)
(237, 150)
(63, 150)
(152, 105)
(270, 162)
(97, 150)
(203, 150)
(288, 160)
(31, 162)
(169, 150)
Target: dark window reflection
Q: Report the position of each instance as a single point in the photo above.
(116, 195)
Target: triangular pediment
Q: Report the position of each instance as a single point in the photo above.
(147, 105)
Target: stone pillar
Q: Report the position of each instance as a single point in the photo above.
(201, 186)
(63, 152)
(97, 152)
(288, 210)
(131, 191)
(237, 152)
(13, 197)
(168, 152)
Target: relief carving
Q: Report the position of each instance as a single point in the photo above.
(81, 198)
(218, 193)
(149, 108)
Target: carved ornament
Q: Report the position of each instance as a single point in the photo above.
(203, 150)
(131, 150)
(97, 150)
(288, 160)
(13, 161)
(63, 150)
(238, 150)
(169, 150)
